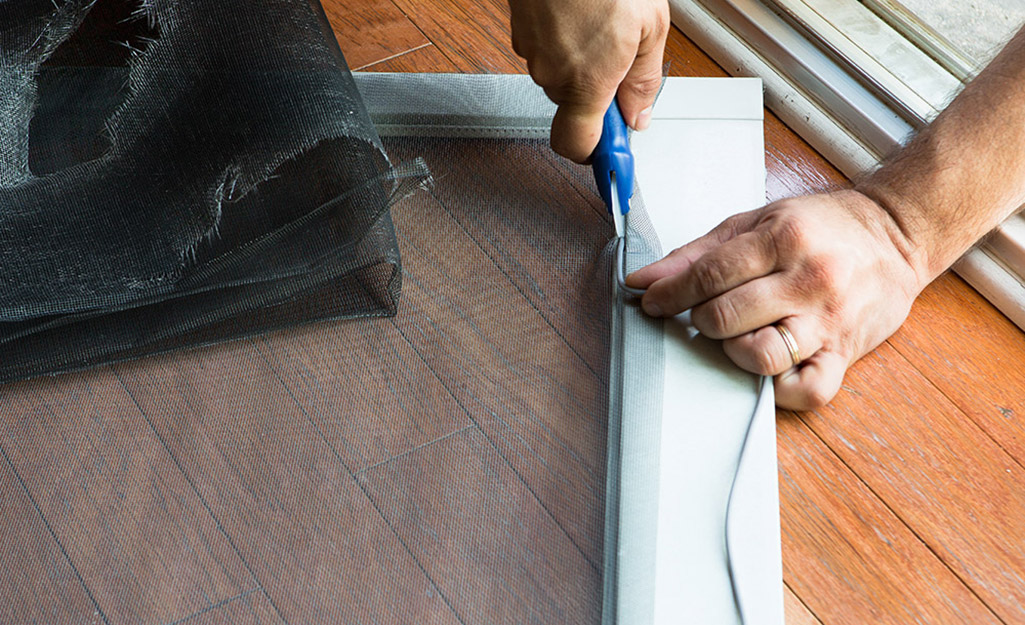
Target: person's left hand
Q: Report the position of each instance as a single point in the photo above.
(834, 270)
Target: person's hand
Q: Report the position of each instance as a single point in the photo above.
(834, 270)
(585, 52)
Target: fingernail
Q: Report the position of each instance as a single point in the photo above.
(652, 309)
(644, 119)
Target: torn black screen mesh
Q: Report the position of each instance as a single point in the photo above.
(175, 172)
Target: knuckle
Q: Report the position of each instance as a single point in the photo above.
(570, 88)
(709, 277)
(662, 20)
(719, 318)
(819, 273)
(544, 74)
(752, 354)
(563, 75)
(566, 147)
(829, 279)
(765, 363)
(833, 308)
(791, 234)
(815, 396)
(645, 86)
(734, 225)
(731, 222)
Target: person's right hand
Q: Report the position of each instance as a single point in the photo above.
(584, 53)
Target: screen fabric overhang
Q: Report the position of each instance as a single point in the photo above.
(443, 465)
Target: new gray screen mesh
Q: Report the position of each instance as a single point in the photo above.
(180, 173)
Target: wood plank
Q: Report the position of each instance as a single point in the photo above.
(482, 536)
(428, 59)
(517, 377)
(305, 528)
(474, 34)
(847, 557)
(370, 31)
(130, 523)
(37, 582)
(941, 474)
(792, 166)
(972, 353)
(364, 387)
(795, 612)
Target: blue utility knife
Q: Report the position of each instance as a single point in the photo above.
(613, 165)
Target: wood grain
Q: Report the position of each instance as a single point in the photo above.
(132, 527)
(973, 354)
(371, 30)
(936, 470)
(792, 166)
(795, 612)
(428, 59)
(474, 36)
(250, 608)
(539, 220)
(847, 556)
(363, 386)
(683, 58)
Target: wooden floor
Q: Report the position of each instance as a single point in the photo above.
(901, 502)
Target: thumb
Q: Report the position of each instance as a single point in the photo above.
(637, 92)
(576, 129)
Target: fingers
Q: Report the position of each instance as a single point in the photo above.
(682, 257)
(636, 94)
(813, 384)
(675, 262)
(745, 309)
(582, 53)
(805, 386)
(576, 128)
(765, 352)
(744, 258)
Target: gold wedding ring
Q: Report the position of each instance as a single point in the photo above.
(795, 353)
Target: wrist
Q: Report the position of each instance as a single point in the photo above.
(892, 221)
